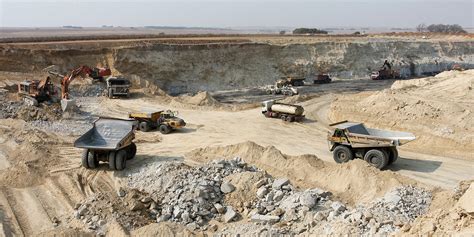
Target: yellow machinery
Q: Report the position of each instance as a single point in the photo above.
(165, 121)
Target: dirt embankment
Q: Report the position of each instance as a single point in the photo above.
(349, 181)
(438, 110)
(178, 68)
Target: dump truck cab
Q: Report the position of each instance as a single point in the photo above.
(118, 86)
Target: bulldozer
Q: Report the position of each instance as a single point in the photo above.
(165, 121)
(34, 92)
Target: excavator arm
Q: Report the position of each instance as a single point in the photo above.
(81, 71)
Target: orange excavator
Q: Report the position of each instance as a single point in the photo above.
(37, 91)
(82, 71)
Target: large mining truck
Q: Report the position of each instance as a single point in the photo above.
(118, 86)
(294, 81)
(322, 79)
(286, 112)
(109, 140)
(351, 140)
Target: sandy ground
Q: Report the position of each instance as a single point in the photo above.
(49, 181)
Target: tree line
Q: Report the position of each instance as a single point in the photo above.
(440, 28)
(309, 31)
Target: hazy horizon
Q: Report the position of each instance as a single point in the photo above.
(235, 14)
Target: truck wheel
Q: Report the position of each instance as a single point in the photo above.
(121, 159)
(283, 118)
(164, 129)
(289, 119)
(112, 156)
(85, 159)
(377, 158)
(92, 161)
(131, 151)
(342, 154)
(144, 127)
(393, 155)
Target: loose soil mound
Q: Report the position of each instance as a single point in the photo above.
(201, 99)
(353, 182)
(164, 229)
(29, 154)
(448, 215)
(437, 109)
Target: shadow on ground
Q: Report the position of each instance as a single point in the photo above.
(424, 166)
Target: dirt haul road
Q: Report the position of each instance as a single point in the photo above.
(42, 182)
(217, 128)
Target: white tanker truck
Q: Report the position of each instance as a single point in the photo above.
(286, 112)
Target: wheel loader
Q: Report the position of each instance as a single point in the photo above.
(165, 121)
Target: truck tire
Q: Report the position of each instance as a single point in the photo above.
(112, 155)
(121, 159)
(377, 158)
(289, 119)
(342, 154)
(84, 160)
(392, 155)
(131, 151)
(283, 118)
(92, 161)
(164, 129)
(144, 127)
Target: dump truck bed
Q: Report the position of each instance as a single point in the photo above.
(360, 136)
(107, 134)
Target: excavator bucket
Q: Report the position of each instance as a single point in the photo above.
(68, 104)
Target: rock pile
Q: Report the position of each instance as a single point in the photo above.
(88, 90)
(9, 109)
(385, 215)
(129, 209)
(17, 109)
(280, 201)
(189, 195)
(193, 196)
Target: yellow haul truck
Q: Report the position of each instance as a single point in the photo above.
(165, 121)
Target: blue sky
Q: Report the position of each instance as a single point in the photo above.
(227, 13)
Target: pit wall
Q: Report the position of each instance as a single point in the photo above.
(191, 68)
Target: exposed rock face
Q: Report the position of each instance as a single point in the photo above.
(208, 67)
